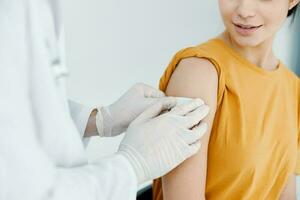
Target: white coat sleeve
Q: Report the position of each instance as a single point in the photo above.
(26, 170)
(80, 115)
(29, 175)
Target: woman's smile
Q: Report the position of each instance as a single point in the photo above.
(246, 30)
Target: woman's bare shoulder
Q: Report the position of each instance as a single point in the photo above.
(194, 77)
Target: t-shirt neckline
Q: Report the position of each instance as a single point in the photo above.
(247, 62)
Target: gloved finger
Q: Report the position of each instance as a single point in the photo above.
(192, 136)
(193, 118)
(156, 109)
(195, 147)
(150, 92)
(187, 108)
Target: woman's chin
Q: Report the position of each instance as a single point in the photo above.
(246, 41)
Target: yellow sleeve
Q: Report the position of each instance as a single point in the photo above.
(198, 52)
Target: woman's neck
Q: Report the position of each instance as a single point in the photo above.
(261, 55)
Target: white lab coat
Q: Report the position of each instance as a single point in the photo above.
(41, 151)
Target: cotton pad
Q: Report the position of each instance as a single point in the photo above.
(183, 100)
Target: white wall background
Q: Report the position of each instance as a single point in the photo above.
(111, 44)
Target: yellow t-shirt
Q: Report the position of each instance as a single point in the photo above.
(253, 145)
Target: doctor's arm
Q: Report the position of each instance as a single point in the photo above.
(194, 77)
(29, 172)
(114, 119)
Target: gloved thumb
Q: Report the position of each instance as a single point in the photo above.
(154, 110)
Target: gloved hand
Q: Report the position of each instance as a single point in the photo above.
(155, 145)
(115, 118)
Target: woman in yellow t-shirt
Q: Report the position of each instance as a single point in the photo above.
(252, 149)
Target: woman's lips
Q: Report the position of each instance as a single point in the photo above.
(246, 30)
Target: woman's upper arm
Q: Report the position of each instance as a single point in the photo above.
(195, 78)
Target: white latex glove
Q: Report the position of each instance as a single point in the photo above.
(115, 118)
(155, 145)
